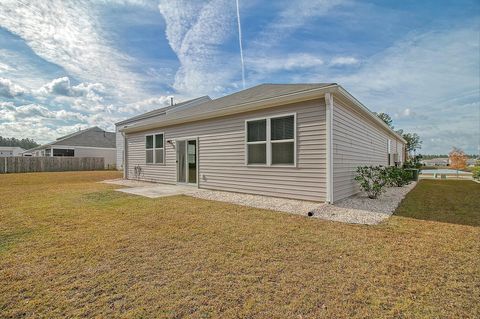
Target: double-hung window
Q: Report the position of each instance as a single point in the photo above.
(154, 150)
(271, 141)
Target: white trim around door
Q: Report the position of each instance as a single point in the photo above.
(187, 161)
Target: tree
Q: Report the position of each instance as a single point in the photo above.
(25, 143)
(413, 139)
(386, 118)
(457, 158)
(413, 142)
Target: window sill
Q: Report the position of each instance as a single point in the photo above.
(273, 165)
(284, 165)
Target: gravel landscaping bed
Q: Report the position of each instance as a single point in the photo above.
(278, 204)
(358, 209)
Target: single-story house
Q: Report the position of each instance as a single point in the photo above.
(438, 161)
(91, 142)
(299, 141)
(7, 151)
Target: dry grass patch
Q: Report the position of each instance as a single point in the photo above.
(71, 247)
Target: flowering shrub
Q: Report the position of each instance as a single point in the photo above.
(372, 179)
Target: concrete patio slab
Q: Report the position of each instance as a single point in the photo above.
(150, 190)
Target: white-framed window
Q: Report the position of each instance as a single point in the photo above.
(154, 148)
(389, 152)
(271, 141)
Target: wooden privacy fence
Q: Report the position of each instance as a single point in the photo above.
(18, 164)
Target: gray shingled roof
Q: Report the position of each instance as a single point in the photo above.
(90, 137)
(254, 94)
(162, 110)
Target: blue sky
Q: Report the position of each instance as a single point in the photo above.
(66, 64)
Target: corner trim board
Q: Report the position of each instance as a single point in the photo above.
(329, 134)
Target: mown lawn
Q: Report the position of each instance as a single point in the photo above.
(449, 201)
(71, 247)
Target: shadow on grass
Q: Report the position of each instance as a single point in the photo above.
(8, 239)
(101, 197)
(450, 201)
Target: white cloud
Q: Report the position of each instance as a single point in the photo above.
(10, 112)
(88, 107)
(265, 53)
(9, 89)
(405, 113)
(69, 34)
(5, 67)
(288, 62)
(146, 105)
(62, 86)
(421, 68)
(344, 60)
(435, 74)
(195, 32)
(293, 15)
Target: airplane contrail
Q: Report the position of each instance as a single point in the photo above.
(240, 43)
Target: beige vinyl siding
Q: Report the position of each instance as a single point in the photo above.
(357, 141)
(401, 151)
(221, 152)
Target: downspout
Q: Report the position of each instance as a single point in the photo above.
(329, 135)
(125, 169)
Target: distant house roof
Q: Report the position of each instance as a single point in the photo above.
(264, 95)
(472, 161)
(438, 160)
(11, 148)
(90, 137)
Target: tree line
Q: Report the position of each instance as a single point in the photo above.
(25, 143)
(431, 156)
(457, 157)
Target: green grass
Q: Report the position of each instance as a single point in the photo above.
(72, 247)
(449, 201)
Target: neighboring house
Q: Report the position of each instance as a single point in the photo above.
(439, 161)
(91, 142)
(7, 151)
(301, 141)
(472, 162)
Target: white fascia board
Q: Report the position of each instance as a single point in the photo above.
(369, 113)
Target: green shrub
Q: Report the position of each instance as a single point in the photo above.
(372, 179)
(397, 176)
(476, 172)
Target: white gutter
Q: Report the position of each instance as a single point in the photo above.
(329, 141)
